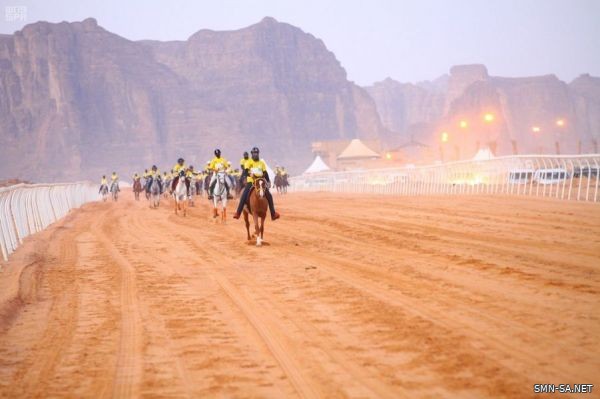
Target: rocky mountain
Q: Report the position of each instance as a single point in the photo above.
(77, 101)
(423, 111)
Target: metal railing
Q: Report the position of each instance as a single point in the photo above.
(28, 208)
(571, 177)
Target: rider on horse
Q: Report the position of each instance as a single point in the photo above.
(255, 168)
(217, 164)
(179, 166)
(153, 174)
(114, 179)
(245, 159)
(103, 183)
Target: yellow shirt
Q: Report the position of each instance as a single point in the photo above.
(243, 162)
(255, 169)
(178, 167)
(218, 163)
(136, 177)
(114, 177)
(189, 173)
(103, 181)
(154, 174)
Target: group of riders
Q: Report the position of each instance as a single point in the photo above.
(251, 167)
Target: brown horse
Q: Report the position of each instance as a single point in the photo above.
(257, 205)
(137, 188)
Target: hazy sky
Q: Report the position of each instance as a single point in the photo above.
(374, 39)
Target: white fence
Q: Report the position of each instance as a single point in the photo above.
(28, 208)
(573, 177)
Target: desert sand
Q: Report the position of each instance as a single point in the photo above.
(355, 296)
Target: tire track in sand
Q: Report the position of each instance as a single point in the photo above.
(265, 326)
(128, 371)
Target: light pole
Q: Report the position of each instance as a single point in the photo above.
(463, 125)
(560, 124)
(536, 130)
(443, 140)
(488, 118)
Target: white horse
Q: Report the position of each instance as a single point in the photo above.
(167, 187)
(220, 194)
(192, 191)
(154, 193)
(180, 194)
(104, 192)
(114, 189)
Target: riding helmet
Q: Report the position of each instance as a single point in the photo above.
(245, 154)
(217, 152)
(180, 160)
(255, 149)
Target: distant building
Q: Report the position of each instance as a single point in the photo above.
(330, 149)
(411, 152)
(356, 155)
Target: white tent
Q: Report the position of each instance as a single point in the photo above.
(317, 166)
(483, 154)
(357, 150)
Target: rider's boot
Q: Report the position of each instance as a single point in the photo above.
(274, 214)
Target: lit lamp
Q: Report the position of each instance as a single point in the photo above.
(388, 156)
(463, 124)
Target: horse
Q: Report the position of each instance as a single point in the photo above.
(114, 189)
(240, 184)
(286, 183)
(146, 188)
(167, 187)
(220, 194)
(257, 205)
(279, 183)
(137, 188)
(104, 192)
(192, 190)
(180, 194)
(154, 190)
(198, 185)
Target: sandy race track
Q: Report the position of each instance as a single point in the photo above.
(354, 297)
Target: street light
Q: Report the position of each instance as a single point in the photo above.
(560, 123)
(536, 129)
(444, 137)
(463, 124)
(488, 118)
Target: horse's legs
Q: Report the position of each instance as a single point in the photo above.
(257, 230)
(247, 222)
(223, 214)
(262, 227)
